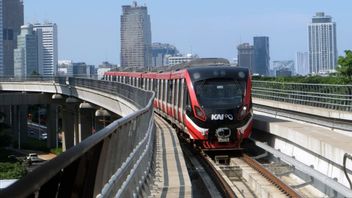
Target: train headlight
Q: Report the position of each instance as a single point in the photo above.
(242, 113)
(199, 113)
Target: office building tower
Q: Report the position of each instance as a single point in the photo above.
(81, 69)
(12, 20)
(48, 34)
(27, 53)
(261, 55)
(245, 56)
(135, 37)
(160, 53)
(322, 44)
(302, 63)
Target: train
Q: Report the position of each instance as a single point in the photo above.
(210, 104)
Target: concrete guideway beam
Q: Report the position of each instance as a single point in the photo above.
(111, 102)
(317, 111)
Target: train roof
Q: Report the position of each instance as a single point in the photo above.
(211, 71)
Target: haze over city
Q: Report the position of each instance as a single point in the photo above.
(90, 31)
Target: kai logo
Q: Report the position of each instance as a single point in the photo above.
(221, 116)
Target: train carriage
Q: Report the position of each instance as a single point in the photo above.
(210, 104)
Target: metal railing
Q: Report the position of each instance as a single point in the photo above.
(337, 97)
(115, 161)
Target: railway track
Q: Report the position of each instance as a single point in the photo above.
(233, 177)
(244, 176)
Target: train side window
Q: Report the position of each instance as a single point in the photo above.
(158, 89)
(154, 84)
(169, 91)
(114, 78)
(174, 94)
(180, 92)
(165, 91)
(161, 89)
(187, 100)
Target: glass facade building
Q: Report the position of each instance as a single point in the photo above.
(12, 20)
(26, 54)
(261, 55)
(245, 56)
(49, 55)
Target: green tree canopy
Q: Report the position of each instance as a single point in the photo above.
(345, 65)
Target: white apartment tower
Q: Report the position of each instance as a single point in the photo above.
(322, 44)
(49, 53)
(302, 63)
(136, 44)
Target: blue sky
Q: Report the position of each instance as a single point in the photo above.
(89, 30)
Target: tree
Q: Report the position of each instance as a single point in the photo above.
(345, 65)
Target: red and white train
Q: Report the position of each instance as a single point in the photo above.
(210, 104)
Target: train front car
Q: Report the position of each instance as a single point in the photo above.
(219, 114)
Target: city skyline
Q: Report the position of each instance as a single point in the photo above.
(208, 29)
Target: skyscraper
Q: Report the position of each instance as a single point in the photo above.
(12, 22)
(49, 56)
(322, 44)
(245, 56)
(135, 37)
(27, 52)
(261, 55)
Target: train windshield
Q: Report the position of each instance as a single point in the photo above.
(220, 92)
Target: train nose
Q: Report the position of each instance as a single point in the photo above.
(223, 134)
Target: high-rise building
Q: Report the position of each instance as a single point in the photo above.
(245, 56)
(26, 61)
(261, 55)
(12, 20)
(302, 63)
(135, 36)
(161, 52)
(322, 44)
(81, 69)
(49, 56)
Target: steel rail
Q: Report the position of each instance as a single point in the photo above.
(272, 178)
(343, 190)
